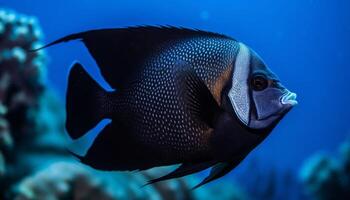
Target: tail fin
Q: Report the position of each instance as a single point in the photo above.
(85, 102)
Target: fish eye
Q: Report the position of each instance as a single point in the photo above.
(259, 82)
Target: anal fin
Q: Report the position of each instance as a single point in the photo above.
(116, 149)
(183, 170)
(217, 171)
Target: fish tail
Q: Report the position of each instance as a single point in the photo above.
(87, 103)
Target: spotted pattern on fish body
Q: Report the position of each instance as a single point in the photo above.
(157, 105)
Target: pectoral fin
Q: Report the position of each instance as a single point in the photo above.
(197, 97)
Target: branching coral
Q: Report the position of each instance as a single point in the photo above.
(328, 177)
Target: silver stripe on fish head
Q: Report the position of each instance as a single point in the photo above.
(239, 92)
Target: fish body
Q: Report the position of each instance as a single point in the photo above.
(181, 96)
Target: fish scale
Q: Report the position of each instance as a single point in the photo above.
(180, 135)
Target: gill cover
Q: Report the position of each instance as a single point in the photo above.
(239, 92)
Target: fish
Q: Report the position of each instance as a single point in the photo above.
(180, 96)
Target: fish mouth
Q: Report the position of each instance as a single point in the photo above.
(289, 98)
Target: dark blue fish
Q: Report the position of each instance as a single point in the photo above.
(181, 96)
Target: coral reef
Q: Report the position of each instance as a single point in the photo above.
(21, 89)
(327, 177)
(34, 163)
(61, 181)
(66, 180)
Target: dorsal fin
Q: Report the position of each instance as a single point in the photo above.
(120, 51)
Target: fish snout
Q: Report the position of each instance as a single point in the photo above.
(289, 98)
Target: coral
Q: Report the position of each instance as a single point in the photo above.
(327, 177)
(21, 73)
(78, 182)
(62, 181)
(22, 91)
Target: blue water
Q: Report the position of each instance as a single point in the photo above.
(305, 42)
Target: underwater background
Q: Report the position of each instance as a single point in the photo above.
(306, 43)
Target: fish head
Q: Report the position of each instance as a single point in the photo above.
(256, 95)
